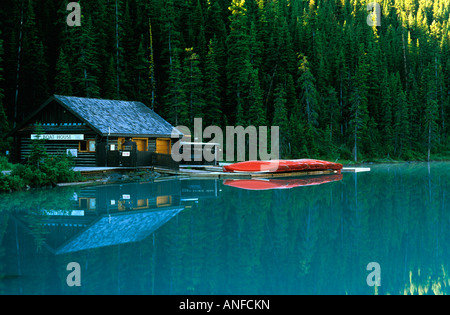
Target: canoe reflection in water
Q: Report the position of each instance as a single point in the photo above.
(267, 184)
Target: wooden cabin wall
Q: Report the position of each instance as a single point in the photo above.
(60, 147)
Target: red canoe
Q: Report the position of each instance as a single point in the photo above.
(282, 166)
(267, 184)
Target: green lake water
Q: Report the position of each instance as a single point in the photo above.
(216, 237)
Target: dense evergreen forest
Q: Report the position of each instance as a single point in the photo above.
(337, 87)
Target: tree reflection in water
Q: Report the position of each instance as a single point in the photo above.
(206, 237)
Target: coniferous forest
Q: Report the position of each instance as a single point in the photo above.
(337, 87)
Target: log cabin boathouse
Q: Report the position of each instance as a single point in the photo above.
(99, 132)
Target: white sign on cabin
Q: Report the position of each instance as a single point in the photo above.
(57, 137)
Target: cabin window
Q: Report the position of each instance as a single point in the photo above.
(86, 146)
(141, 143)
(87, 203)
(120, 142)
(163, 146)
(142, 204)
(163, 201)
(91, 144)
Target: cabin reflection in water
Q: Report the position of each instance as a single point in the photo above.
(117, 214)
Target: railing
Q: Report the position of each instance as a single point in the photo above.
(134, 159)
(165, 160)
(144, 158)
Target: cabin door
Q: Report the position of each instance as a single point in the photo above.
(142, 144)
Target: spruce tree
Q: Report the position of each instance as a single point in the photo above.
(4, 125)
(139, 75)
(63, 79)
(85, 60)
(256, 112)
(309, 96)
(213, 107)
(176, 106)
(385, 115)
(280, 118)
(239, 67)
(33, 89)
(358, 108)
(151, 66)
(401, 115)
(431, 113)
(193, 85)
(109, 82)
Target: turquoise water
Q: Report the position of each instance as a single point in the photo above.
(208, 237)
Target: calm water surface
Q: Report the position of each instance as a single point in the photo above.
(216, 237)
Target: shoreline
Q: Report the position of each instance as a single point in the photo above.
(101, 179)
(115, 176)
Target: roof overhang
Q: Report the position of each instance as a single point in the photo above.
(176, 134)
(134, 135)
(48, 101)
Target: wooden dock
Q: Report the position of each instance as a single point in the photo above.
(92, 170)
(355, 169)
(215, 172)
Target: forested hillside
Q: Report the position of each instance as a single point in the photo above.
(337, 87)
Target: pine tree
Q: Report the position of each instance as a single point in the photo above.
(215, 29)
(109, 82)
(193, 83)
(103, 35)
(139, 75)
(84, 56)
(385, 115)
(33, 84)
(330, 121)
(358, 107)
(309, 97)
(38, 152)
(297, 136)
(198, 27)
(119, 48)
(4, 125)
(431, 112)
(280, 118)
(151, 66)
(176, 106)
(63, 79)
(239, 67)
(213, 107)
(400, 117)
(256, 112)
(170, 34)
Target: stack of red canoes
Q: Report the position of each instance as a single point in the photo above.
(276, 166)
(267, 184)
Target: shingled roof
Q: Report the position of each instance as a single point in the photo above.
(114, 117)
(118, 118)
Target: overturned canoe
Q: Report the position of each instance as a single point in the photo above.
(267, 184)
(282, 166)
